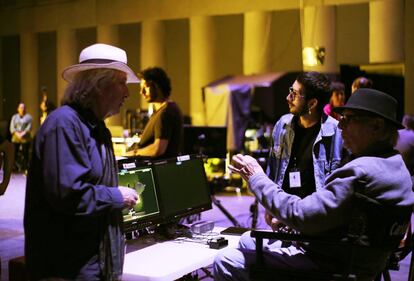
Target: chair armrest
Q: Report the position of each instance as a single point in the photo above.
(267, 234)
(297, 237)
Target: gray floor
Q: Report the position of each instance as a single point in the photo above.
(11, 227)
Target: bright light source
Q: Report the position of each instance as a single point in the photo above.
(313, 56)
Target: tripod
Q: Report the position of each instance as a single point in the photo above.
(221, 182)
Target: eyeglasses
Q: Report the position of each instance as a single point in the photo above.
(293, 94)
(346, 119)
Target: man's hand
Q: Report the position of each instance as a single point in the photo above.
(129, 195)
(273, 222)
(245, 165)
(277, 225)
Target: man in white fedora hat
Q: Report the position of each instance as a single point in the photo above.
(73, 218)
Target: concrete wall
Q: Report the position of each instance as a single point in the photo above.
(47, 19)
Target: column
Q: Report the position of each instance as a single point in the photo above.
(409, 58)
(66, 52)
(109, 34)
(29, 75)
(386, 31)
(256, 47)
(203, 56)
(318, 30)
(2, 98)
(153, 46)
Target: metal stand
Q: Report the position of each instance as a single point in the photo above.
(254, 209)
(224, 211)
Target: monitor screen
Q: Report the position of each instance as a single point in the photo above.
(183, 187)
(208, 141)
(139, 176)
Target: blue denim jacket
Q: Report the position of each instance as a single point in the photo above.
(327, 149)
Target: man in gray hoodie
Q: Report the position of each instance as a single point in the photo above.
(369, 130)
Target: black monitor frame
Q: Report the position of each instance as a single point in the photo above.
(136, 222)
(176, 179)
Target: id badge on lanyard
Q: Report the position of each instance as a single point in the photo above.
(294, 177)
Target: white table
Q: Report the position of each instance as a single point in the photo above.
(168, 260)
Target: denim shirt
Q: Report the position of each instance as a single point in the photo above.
(327, 149)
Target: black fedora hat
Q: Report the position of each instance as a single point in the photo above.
(373, 101)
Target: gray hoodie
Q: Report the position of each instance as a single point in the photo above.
(329, 210)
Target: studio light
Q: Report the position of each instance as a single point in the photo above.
(313, 56)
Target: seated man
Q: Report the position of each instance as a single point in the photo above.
(369, 129)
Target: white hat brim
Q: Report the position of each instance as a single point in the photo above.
(69, 73)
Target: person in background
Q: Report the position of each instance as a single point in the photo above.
(337, 99)
(46, 106)
(162, 135)
(6, 162)
(361, 82)
(20, 129)
(73, 220)
(405, 144)
(377, 171)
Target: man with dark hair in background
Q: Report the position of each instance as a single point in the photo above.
(162, 135)
(306, 143)
(306, 146)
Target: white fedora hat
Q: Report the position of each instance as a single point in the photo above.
(101, 56)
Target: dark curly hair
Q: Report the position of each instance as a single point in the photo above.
(317, 86)
(157, 76)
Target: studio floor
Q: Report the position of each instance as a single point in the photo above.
(11, 222)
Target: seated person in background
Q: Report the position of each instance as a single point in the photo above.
(361, 82)
(20, 129)
(377, 171)
(161, 137)
(6, 162)
(405, 144)
(337, 99)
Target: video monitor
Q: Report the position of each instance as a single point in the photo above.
(183, 187)
(208, 141)
(139, 176)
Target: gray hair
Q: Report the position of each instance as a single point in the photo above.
(86, 85)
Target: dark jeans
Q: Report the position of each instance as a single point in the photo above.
(21, 156)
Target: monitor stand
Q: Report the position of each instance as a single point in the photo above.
(173, 230)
